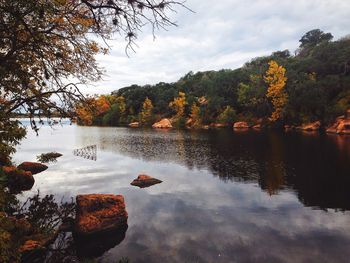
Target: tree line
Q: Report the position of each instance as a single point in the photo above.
(313, 84)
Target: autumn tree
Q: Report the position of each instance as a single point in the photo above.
(94, 108)
(48, 49)
(276, 79)
(178, 104)
(147, 111)
(196, 115)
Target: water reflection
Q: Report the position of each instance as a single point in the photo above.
(316, 166)
(225, 197)
(88, 152)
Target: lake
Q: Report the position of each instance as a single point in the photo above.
(226, 196)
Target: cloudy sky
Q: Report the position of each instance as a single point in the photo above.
(220, 34)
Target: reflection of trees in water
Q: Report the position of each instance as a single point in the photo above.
(314, 165)
(88, 152)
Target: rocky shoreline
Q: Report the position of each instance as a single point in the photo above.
(340, 126)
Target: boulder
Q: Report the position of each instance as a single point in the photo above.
(144, 180)
(341, 126)
(98, 213)
(314, 126)
(205, 127)
(240, 125)
(347, 114)
(17, 179)
(162, 124)
(32, 167)
(134, 125)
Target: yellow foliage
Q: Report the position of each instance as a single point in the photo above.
(146, 113)
(178, 104)
(276, 79)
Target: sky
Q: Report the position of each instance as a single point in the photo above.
(218, 35)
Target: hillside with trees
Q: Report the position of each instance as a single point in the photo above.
(313, 84)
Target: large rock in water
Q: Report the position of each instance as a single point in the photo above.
(18, 180)
(32, 167)
(163, 124)
(98, 213)
(240, 125)
(341, 126)
(144, 180)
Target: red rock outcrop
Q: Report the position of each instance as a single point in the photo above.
(241, 125)
(144, 180)
(162, 124)
(341, 125)
(32, 167)
(98, 213)
(314, 126)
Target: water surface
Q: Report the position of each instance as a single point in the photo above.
(226, 196)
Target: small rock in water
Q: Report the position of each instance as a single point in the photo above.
(144, 180)
(32, 167)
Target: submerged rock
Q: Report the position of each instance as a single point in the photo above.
(97, 213)
(33, 167)
(134, 125)
(240, 125)
(144, 180)
(163, 124)
(17, 179)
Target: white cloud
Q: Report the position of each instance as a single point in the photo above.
(219, 35)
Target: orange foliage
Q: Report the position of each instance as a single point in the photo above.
(276, 79)
(92, 108)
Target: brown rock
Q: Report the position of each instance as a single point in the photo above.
(240, 125)
(98, 213)
(144, 180)
(163, 124)
(17, 179)
(314, 126)
(341, 126)
(347, 115)
(218, 125)
(32, 167)
(205, 127)
(134, 124)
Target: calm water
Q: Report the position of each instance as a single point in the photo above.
(226, 196)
